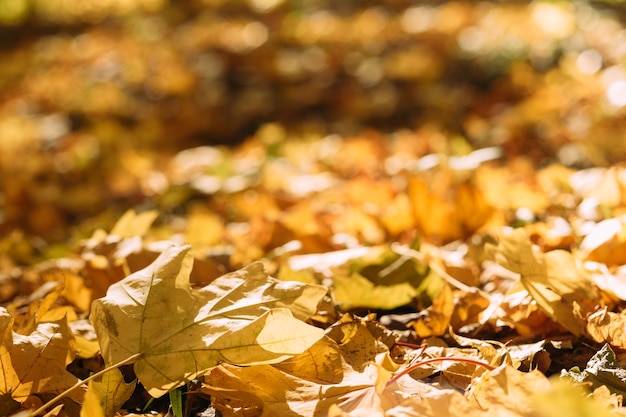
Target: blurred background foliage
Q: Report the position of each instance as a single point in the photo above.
(96, 96)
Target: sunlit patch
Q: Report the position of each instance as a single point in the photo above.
(418, 19)
(265, 6)
(616, 93)
(254, 34)
(589, 61)
(472, 39)
(554, 19)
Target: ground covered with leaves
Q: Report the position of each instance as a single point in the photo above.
(272, 208)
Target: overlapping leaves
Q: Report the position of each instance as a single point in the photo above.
(175, 333)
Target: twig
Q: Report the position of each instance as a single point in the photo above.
(443, 359)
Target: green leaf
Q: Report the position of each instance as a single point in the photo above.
(176, 400)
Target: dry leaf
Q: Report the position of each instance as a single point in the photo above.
(320, 363)
(360, 340)
(132, 224)
(34, 363)
(436, 318)
(567, 399)
(244, 318)
(282, 394)
(607, 326)
(509, 389)
(445, 210)
(606, 242)
(553, 279)
(106, 395)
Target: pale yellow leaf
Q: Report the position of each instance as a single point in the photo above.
(106, 395)
(91, 407)
(509, 389)
(284, 395)
(357, 291)
(568, 399)
(360, 340)
(132, 224)
(178, 333)
(320, 363)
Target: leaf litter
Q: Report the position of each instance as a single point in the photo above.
(419, 272)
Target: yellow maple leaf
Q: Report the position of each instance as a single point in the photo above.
(172, 333)
(34, 363)
(553, 278)
(132, 224)
(270, 391)
(106, 394)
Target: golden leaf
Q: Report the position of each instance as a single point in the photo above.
(553, 279)
(244, 318)
(34, 363)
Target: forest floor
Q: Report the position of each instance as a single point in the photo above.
(272, 208)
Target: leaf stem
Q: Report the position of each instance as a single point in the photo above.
(443, 359)
(74, 387)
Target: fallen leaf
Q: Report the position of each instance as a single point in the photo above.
(607, 326)
(509, 389)
(567, 399)
(281, 394)
(434, 320)
(92, 407)
(320, 363)
(34, 363)
(602, 369)
(132, 224)
(360, 339)
(445, 209)
(176, 333)
(357, 291)
(599, 184)
(553, 279)
(502, 392)
(106, 395)
(379, 279)
(602, 395)
(606, 242)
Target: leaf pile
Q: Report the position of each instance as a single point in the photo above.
(158, 77)
(442, 244)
